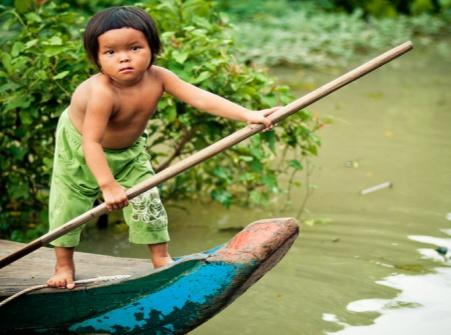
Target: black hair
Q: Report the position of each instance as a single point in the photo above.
(116, 18)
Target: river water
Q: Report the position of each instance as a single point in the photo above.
(363, 264)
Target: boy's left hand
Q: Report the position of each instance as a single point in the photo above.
(256, 117)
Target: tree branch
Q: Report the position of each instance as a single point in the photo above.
(187, 136)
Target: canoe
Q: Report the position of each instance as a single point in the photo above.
(139, 300)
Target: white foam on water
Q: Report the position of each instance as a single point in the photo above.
(440, 242)
(422, 307)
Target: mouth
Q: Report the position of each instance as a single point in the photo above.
(126, 69)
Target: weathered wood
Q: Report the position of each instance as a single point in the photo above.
(216, 148)
(38, 267)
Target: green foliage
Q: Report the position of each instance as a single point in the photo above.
(330, 32)
(385, 8)
(257, 9)
(323, 39)
(90, 7)
(42, 61)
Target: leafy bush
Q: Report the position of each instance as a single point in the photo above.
(323, 39)
(257, 9)
(42, 63)
(385, 8)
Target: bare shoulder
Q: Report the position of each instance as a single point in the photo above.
(100, 86)
(158, 71)
(170, 82)
(92, 89)
(95, 93)
(162, 74)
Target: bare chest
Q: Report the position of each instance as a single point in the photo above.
(133, 107)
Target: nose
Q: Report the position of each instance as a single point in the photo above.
(124, 57)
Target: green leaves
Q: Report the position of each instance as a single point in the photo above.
(308, 36)
(38, 52)
(222, 173)
(222, 196)
(295, 164)
(179, 56)
(61, 75)
(32, 18)
(202, 77)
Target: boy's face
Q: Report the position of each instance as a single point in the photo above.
(124, 54)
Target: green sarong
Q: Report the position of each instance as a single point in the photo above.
(73, 188)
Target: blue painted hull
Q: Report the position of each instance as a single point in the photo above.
(172, 309)
(173, 300)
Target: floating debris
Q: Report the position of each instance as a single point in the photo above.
(416, 268)
(314, 222)
(230, 229)
(443, 251)
(388, 133)
(352, 164)
(375, 188)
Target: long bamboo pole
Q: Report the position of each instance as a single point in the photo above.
(215, 148)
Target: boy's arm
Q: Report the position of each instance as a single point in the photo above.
(209, 102)
(97, 114)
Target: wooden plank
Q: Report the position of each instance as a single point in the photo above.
(37, 268)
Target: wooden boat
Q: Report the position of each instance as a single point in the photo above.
(170, 300)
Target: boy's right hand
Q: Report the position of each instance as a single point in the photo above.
(114, 196)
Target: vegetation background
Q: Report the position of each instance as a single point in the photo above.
(222, 46)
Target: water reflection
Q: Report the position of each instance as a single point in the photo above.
(422, 306)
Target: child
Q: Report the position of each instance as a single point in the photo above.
(101, 139)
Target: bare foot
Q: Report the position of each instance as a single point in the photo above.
(159, 262)
(63, 277)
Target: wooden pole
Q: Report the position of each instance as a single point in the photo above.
(215, 148)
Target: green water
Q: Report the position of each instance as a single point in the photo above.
(369, 265)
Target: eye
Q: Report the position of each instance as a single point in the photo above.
(109, 52)
(135, 48)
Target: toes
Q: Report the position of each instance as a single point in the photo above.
(53, 282)
(70, 284)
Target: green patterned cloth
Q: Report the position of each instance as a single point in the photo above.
(74, 188)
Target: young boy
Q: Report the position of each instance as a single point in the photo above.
(100, 138)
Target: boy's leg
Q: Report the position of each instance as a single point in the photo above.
(145, 215)
(159, 254)
(72, 192)
(148, 224)
(64, 205)
(67, 201)
(64, 269)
